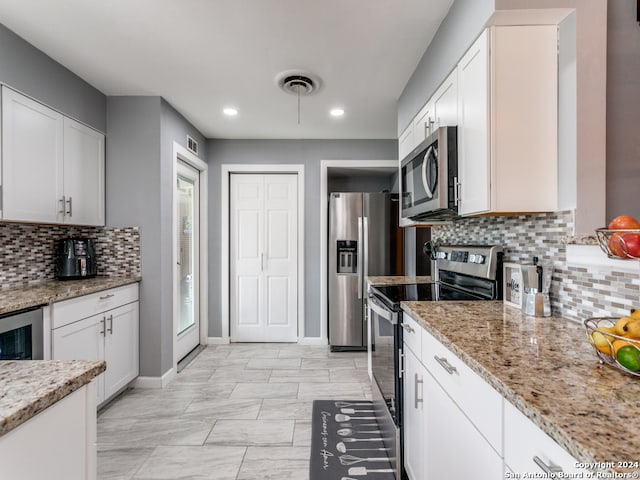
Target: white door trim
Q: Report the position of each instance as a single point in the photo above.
(184, 155)
(225, 171)
(324, 225)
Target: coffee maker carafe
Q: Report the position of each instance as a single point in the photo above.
(536, 281)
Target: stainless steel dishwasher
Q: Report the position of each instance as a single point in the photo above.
(21, 335)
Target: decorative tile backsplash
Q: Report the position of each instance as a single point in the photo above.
(576, 292)
(27, 251)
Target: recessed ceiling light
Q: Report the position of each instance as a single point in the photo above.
(232, 112)
(337, 112)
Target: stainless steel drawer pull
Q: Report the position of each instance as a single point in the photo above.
(110, 329)
(550, 470)
(416, 399)
(103, 322)
(446, 365)
(408, 328)
(104, 297)
(63, 212)
(70, 211)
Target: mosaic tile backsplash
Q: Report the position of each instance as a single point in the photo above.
(27, 252)
(576, 292)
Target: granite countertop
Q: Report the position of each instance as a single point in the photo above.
(547, 369)
(55, 290)
(397, 280)
(27, 387)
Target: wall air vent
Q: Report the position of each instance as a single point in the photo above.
(192, 145)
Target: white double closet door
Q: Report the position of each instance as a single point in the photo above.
(263, 258)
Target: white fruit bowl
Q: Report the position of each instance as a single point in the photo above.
(604, 237)
(606, 348)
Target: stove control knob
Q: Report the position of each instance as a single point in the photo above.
(441, 255)
(472, 258)
(479, 259)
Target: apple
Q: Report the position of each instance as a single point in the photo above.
(624, 222)
(625, 245)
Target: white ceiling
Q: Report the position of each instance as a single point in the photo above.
(204, 55)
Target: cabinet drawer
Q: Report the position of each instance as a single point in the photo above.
(524, 440)
(475, 397)
(74, 309)
(411, 334)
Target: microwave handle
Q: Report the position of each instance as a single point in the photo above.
(425, 161)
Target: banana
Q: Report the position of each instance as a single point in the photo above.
(633, 329)
(621, 326)
(635, 313)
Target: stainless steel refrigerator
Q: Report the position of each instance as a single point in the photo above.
(364, 240)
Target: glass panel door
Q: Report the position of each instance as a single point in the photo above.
(187, 222)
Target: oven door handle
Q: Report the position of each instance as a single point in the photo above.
(382, 311)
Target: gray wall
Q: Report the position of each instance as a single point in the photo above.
(139, 170)
(623, 110)
(457, 32)
(309, 153)
(364, 183)
(27, 69)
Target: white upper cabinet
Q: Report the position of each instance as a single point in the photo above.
(423, 124)
(83, 174)
(52, 166)
(405, 142)
(445, 102)
(32, 151)
(507, 121)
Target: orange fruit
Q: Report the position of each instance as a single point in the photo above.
(618, 344)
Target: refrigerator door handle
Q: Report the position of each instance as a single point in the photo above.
(365, 258)
(360, 257)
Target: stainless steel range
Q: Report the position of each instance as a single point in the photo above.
(462, 273)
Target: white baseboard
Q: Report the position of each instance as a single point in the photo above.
(155, 382)
(312, 341)
(217, 340)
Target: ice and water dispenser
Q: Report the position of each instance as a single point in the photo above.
(347, 256)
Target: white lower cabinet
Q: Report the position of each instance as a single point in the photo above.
(528, 449)
(456, 426)
(58, 443)
(111, 335)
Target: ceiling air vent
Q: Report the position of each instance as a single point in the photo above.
(192, 145)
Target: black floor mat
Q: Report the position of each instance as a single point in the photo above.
(346, 443)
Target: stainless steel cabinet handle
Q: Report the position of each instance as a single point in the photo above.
(550, 470)
(109, 295)
(456, 191)
(431, 123)
(262, 262)
(416, 399)
(401, 372)
(426, 129)
(70, 211)
(103, 322)
(408, 328)
(110, 329)
(63, 201)
(444, 363)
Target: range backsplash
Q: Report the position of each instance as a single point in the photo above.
(576, 292)
(27, 251)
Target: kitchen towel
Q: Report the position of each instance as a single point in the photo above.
(346, 442)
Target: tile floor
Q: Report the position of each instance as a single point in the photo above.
(237, 412)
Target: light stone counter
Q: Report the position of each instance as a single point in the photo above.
(397, 280)
(27, 387)
(55, 290)
(548, 370)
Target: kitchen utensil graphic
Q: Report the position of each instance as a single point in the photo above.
(351, 425)
(339, 417)
(352, 404)
(351, 459)
(351, 440)
(343, 432)
(364, 471)
(351, 411)
(342, 448)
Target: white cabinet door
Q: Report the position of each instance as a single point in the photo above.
(445, 102)
(423, 124)
(414, 416)
(405, 142)
(121, 347)
(473, 128)
(454, 448)
(32, 150)
(81, 340)
(83, 174)
(264, 258)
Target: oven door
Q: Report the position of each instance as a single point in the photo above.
(21, 335)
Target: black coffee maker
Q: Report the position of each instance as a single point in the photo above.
(75, 258)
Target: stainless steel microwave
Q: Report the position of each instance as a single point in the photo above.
(429, 177)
